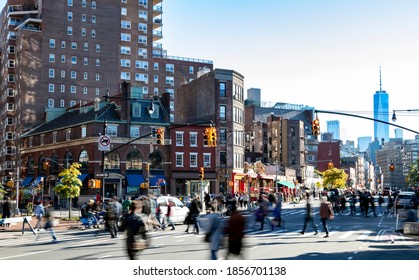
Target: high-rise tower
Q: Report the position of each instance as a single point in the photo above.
(381, 112)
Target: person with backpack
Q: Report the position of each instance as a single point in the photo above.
(134, 225)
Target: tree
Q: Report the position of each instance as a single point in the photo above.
(412, 178)
(335, 177)
(69, 185)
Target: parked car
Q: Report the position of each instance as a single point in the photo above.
(179, 210)
(406, 200)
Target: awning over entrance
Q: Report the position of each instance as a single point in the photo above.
(82, 177)
(134, 180)
(38, 179)
(287, 184)
(26, 181)
(157, 180)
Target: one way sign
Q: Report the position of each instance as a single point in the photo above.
(102, 175)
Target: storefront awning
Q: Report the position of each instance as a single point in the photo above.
(287, 184)
(82, 177)
(134, 180)
(26, 181)
(157, 180)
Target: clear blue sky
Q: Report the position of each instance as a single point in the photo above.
(323, 53)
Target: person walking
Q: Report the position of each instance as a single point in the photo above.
(194, 211)
(207, 201)
(39, 213)
(326, 214)
(213, 234)
(352, 203)
(380, 203)
(111, 218)
(262, 211)
(134, 225)
(309, 216)
(235, 233)
(169, 214)
(7, 207)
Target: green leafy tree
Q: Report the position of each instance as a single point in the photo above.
(412, 178)
(69, 186)
(335, 177)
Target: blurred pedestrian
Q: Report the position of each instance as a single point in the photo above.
(352, 203)
(133, 224)
(326, 214)
(111, 218)
(194, 211)
(309, 216)
(213, 233)
(380, 203)
(235, 233)
(207, 201)
(169, 214)
(7, 207)
(50, 224)
(262, 211)
(39, 213)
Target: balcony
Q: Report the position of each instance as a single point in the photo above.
(157, 10)
(155, 2)
(157, 35)
(157, 23)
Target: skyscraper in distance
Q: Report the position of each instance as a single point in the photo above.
(333, 127)
(381, 112)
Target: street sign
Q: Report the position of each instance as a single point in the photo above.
(104, 143)
(101, 175)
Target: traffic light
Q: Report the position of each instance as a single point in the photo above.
(160, 136)
(315, 126)
(207, 132)
(330, 165)
(213, 137)
(392, 167)
(201, 173)
(45, 165)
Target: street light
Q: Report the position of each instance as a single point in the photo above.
(394, 117)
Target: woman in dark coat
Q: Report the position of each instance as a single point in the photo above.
(7, 206)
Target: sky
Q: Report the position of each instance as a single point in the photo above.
(324, 54)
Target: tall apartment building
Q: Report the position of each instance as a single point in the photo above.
(333, 127)
(59, 53)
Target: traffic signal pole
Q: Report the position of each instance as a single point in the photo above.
(366, 118)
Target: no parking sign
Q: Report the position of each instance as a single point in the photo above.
(104, 143)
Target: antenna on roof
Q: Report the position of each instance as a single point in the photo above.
(380, 79)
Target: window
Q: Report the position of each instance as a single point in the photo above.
(93, 19)
(83, 32)
(179, 138)
(207, 160)
(63, 44)
(10, 92)
(125, 37)
(74, 60)
(123, 11)
(70, 16)
(170, 68)
(141, 77)
(112, 130)
(126, 24)
(62, 90)
(134, 132)
(125, 50)
(51, 73)
(72, 89)
(83, 17)
(69, 2)
(222, 112)
(97, 91)
(62, 73)
(125, 62)
(125, 76)
(156, 66)
(85, 61)
(83, 3)
(62, 103)
(97, 61)
(50, 87)
(83, 132)
(86, 46)
(85, 75)
(142, 27)
(69, 30)
(93, 33)
(156, 78)
(170, 80)
(84, 90)
(51, 103)
(142, 52)
(9, 135)
(222, 89)
(52, 43)
(179, 159)
(51, 57)
(141, 64)
(97, 47)
(9, 121)
(193, 139)
(191, 70)
(11, 63)
(142, 15)
(63, 58)
(142, 39)
(68, 134)
(97, 77)
(10, 106)
(193, 159)
(73, 103)
(11, 78)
